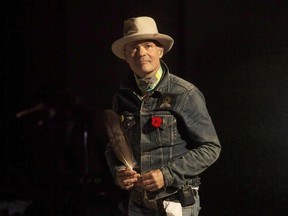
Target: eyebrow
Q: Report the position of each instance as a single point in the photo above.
(136, 43)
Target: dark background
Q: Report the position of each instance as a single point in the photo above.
(57, 53)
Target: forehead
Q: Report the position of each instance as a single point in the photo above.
(141, 42)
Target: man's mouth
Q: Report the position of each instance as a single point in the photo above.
(143, 61)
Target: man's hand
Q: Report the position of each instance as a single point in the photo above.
(152, 180)
(127, 178)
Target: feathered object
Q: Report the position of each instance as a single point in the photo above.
(117, 138)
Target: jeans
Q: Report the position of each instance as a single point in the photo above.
(137, 209)
(194, 209)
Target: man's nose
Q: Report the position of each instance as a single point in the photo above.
(141, 50)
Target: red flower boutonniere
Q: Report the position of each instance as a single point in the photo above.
(156, 121)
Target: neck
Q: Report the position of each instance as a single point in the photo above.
(150, 81)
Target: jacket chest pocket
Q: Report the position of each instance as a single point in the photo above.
(166, 132)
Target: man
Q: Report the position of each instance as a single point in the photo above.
(166, 124)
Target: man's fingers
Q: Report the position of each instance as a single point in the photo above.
(126, 180)
(153, 180)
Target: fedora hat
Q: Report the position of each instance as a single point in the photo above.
(140, 28)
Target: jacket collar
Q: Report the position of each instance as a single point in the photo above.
(163, 85)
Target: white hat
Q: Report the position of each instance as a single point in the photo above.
(140, 28)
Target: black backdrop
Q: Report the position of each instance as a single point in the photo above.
(57, 53)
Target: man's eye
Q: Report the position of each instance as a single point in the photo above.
(132, 49)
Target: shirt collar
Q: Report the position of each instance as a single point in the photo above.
(148, 83)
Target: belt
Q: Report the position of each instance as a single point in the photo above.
(150, 195)
(176, 196)
(141, 197)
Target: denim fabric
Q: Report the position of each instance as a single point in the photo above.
(194, 209)
(182, 146)
(136, 207)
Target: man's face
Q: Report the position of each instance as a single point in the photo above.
(143, 57)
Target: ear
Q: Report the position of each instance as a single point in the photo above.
(161, 51)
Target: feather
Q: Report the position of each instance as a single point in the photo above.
(117, 138)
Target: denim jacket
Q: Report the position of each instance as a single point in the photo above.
(170, 129)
